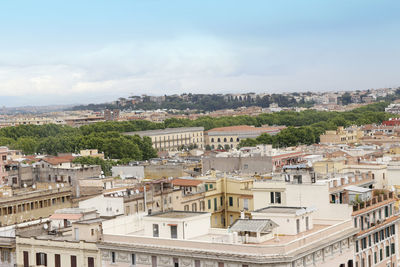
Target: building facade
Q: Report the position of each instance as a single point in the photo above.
(173, 139)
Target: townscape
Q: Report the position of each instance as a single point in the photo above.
(154, 133)
(181, 192)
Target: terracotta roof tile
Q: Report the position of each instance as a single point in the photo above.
(186, 182)
(59, 160)
(246, 128)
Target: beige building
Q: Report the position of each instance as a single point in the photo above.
(30, 204)
(226, 197)
(342, 135)
(173, 139)
(186, 239)
(230, 137)
(91, 153)
(73, 246)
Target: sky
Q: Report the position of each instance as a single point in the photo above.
(92, 51)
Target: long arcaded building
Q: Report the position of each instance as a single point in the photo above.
(172, 139)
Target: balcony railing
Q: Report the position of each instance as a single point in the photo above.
(374, 201)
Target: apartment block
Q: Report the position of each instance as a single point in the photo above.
(29, 204)
(342, 135)
(230, 137)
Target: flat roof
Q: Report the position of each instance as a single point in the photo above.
(165, 131)
(90, 221)
(358, 189)
(275, 209)
(176, 214)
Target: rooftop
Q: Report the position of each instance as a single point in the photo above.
(166, 131)
(253, 225)
(186, 182)
(282, 210)
(176, 214)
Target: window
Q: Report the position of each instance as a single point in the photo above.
(230, 201)
(221, 200)
(278, 197)
(298, 225)
(90, 262)
(392, 248)
(220, 264)
(380, 254)
(155, 230)
(112, 256)
(186, 208)
(215, 203)
(153, 261)
(76, 231)
(41, 259)
(245, 204)
(174, 231)
(133, 259)
(176, 262)
(387, 251)
(375, 257)
(275, 197)
(5, 254)
(209, 204)
(26, 259)
(57, 260)
(307, 224)
(196, 263)
(364, 243)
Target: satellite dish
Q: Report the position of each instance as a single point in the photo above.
(137, 191)
(25, 185)
(45, 226)
(34, 186)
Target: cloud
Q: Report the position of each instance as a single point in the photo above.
(144, 67)
(198, 64)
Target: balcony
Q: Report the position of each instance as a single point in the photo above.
(379, 199)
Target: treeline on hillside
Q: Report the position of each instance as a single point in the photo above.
(304, 128)
(212, 102)
(203, 102)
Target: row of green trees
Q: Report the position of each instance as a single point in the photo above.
(53, 139)
(307, 129)
(303, 128)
